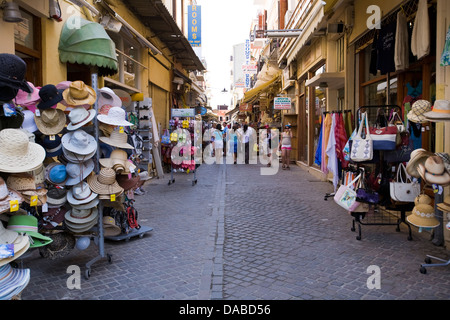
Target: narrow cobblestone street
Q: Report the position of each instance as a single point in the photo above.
(240, 235)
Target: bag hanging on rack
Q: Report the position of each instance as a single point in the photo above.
(384, 134)
(403, 191)
(364, 194)
(346, 196)
(362, 149)
(165, 138)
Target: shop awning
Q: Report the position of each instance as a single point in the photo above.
(250, 95)
(331, 80)
(86, 42)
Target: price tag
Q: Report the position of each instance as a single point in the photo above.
(37, 113)
(33, 201)
(45, 207)
(423, 129)
(13, 205)
(113, 197)
(121, 130)
(52, 137)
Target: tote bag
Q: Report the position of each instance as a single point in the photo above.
(362, 149)
(403, 191)
(345, 196)
(384, 134)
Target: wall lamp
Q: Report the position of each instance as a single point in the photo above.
(11, 12)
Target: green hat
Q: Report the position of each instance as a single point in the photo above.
(29, 225)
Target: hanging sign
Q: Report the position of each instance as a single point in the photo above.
(190, 112)
(195, 25)
(245, 107)
(282, 103)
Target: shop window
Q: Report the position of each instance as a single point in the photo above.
(377, 93)
(27, 38)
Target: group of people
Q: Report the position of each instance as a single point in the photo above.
(246, 134)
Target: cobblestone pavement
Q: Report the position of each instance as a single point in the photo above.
(237, 235)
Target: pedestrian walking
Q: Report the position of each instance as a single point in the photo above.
(246, 142)
(218, 143)
(233, 141)
(285, 146)
(267, 144)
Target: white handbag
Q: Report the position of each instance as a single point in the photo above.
(404, 191)
(362, 149)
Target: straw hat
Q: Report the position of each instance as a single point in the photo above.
(78, 93)
(79, 142)
(117, 139)
(7, 195)
(81, 194)
(440, 112)
(29, 225)
(115, 117)
(51, 121)
(38, 174)
(445, 205)
(21, 245)
(56, 197)
(53, 217)
(422, 199)
(79, 116)
(418, 110)
(418, 156)
(105, 182)
(56, 173)
(423, 216)
(110, 229)
(108, 96)
(28, 121)
(118, 161)
(62, 245)
(81, 216)
(433, 171)
(25, 184)
(50, 96)
(17, 153)
(77, 172)
(12, 281)
(446, 158)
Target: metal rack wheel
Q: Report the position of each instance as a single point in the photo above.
(87, 273)
(423, 270)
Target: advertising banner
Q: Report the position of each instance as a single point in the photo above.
(195, 25)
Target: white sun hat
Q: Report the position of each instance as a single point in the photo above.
(80, 194)
(17, 153)
(108, 96)
(115, 117)
(79, 116)
(79, 142)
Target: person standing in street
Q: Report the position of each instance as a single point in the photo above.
(285, 146)
(218, 144)
(233, 142)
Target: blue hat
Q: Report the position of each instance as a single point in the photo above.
(56, 173)
(52, 145)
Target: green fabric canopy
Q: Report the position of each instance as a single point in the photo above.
(86, 42)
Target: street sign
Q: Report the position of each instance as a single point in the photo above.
(282, 103)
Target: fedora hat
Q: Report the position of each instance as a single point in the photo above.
(29, 225)
(81, 216)
(50, 97)
(440, 112)
(87, 205)
(56, 173)
(423, 216)
(110, 229)
(79, 116)
(12, 73)
(104, 183)
(118, 161)
(117, 139)
(56, 197)
(79, 142)
(12, 281)
(445, 205)
(77, 158)
(109, 97)
(7, 195)
(28, 99)
(51, 121)
(52, 145)
(80, 194)
(78, 93)
(77, 172)
(418, 156)
(433, 171)
(28, 121)
(54, 217)
(116, 117)
(418, 110)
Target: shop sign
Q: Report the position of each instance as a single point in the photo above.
(250, 69)
(245, 107)
(190, 112)
(195, 25)
(282, 103)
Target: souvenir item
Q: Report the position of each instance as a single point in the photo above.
(362, 149)
(29, 225)
(403, 190)
(418, 110)
(346, 196)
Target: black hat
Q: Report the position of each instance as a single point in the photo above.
(50, 96)
(12, 73)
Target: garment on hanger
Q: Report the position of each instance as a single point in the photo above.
(420, 41)
(386, 48)
(401, 55)
(445, 57)
(349, 123)
(332, 164)
(318, 155)
(326, 135)
(341, 139)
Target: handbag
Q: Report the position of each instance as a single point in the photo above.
(403, 191)
(384, 134)
(362, 149)
(345, 196)
(366, 195)
(165, 138)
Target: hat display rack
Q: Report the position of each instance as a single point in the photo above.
(53, 186)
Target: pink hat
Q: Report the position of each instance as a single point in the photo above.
(28, 100)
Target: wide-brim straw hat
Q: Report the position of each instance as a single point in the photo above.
(62, 245)
(440, 112)
(418, 110)
(77, 172)
(7, 195)
(115, 117)
(81, 216)
(118, 161)
(423, 216)
(433, 171)
(110, 229)
(50, 121)
(81, 194)
(108, 96)
(17, 153)
(418, 156)
(12, 281)
(25, 184)
(78, 93)
(104, 183)
(79, 116)
(445, 205)
(117, 139)
(79, 142)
